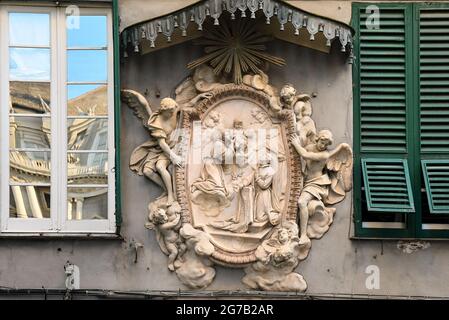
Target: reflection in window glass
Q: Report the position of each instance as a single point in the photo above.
(29, 167)
(29, 132)
(29, 97)
(87, 203)
(87, 65)
(87, 100)
(29, 64)
(29, 29)
(87, 167)
(29, 202)
(87, 134)
(84, 37)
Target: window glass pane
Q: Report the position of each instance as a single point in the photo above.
(87, 167)
(29, 167)
(81, 35)
(29, 29)
(29, 64)
(87, 203)
(29, 97)
(85, 99)
(87, 134)
(29, 202)
(87, 65)
(29, 132)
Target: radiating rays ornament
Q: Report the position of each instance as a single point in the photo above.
(236, 48)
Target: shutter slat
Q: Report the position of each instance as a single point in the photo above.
(434, 79)
(436, 179)
(387, 185)
(383, 83)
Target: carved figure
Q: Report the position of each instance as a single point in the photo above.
(328, 175)
(210, 191)
(266, 201)
(153, 157)
(167, 222)
(305, 126)
(277, 258)
(239, 209)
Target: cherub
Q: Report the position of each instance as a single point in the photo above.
(285, 247)
(277, 258)
(153, 157)
(166, 222)
(288, 98)
(328, 175)
(305, 126)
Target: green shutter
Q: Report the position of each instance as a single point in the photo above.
(434, 79)
(436, 178)
(382, 61)
(387, 185)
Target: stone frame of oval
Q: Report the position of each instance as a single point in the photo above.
(287, 120)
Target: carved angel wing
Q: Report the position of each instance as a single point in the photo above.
(138, 103)
(340, 161)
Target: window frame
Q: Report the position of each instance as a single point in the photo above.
(58, 222)
(415, 227)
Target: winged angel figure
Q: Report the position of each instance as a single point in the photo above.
(153, 157)
(327, 178)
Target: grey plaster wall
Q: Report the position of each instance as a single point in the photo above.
(336, 264)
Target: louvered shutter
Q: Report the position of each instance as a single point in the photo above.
(387, 185)
(434, 105)
(383, 111)
(434, 79)
(383, 82)
(436, 177)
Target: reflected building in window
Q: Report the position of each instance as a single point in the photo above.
(87, 152)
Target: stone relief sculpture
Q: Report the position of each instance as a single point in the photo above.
(237, 163)
(328, 176)
(166, 220)
(277, 258)
(153, 157)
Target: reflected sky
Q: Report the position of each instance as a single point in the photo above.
(32, 64)
(87, 65)
(29, 29)
(91, 33)
(29, 64)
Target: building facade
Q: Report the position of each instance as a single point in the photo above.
(102, 183)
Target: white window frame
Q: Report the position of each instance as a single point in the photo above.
(58, 221)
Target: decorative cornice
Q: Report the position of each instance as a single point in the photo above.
(197, 13)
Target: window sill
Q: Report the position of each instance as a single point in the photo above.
(61, 236)
(355, 238)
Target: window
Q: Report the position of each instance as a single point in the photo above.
(57, 94)
(401, 120)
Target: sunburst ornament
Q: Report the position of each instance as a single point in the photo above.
(236, 47)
